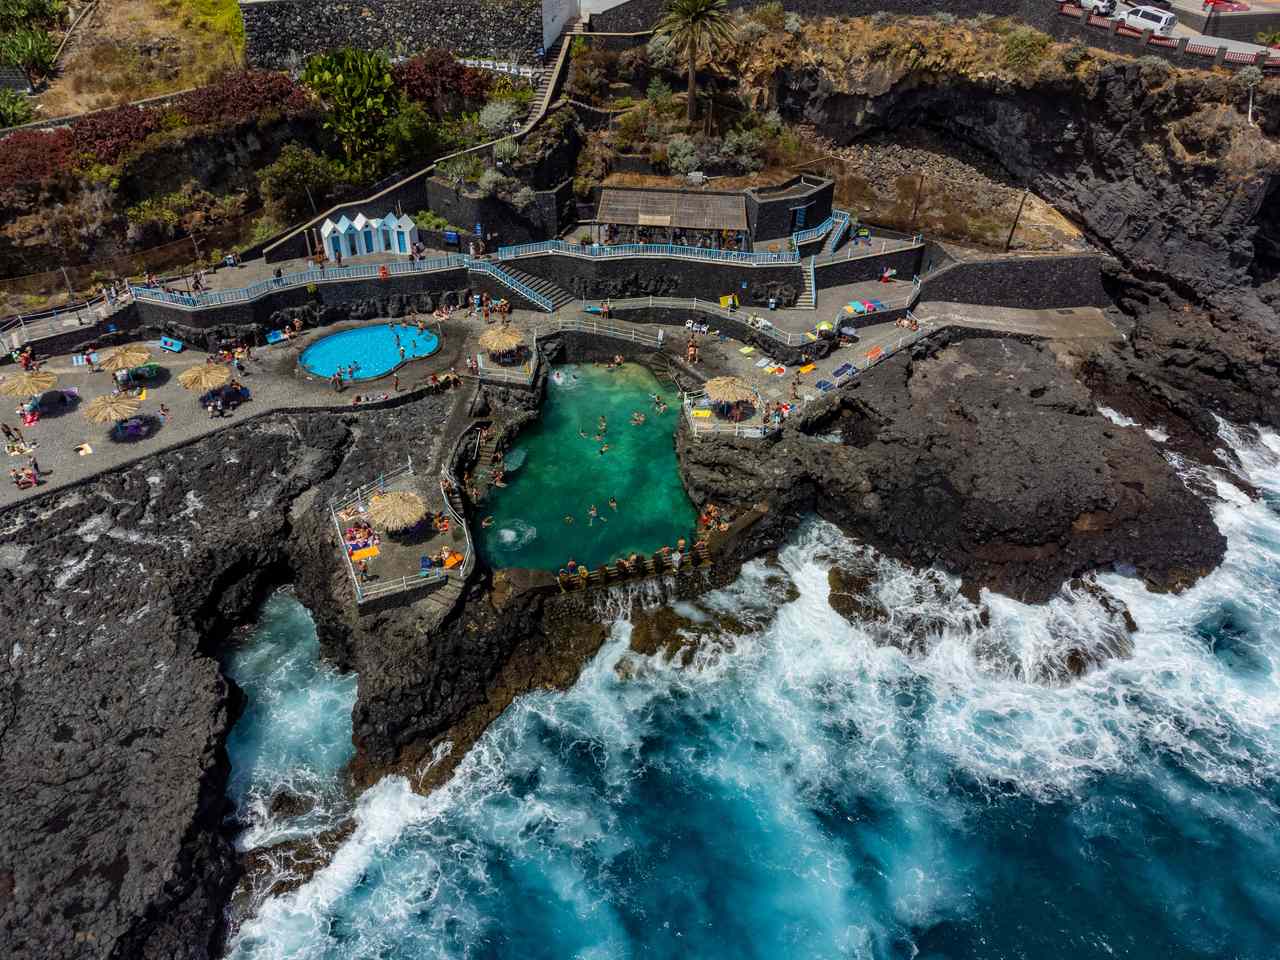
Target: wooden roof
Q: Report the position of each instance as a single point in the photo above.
(673, 208)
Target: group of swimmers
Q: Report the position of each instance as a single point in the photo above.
(593, 513)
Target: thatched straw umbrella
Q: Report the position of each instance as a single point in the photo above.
(397, 510)
(28, 384)
(205, 377)
(126, 357)
(500, 339)
(111, 408)
(728, 390)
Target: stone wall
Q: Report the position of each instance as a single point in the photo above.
(769, 211)
(639, 15)
(1036, 283)
(395, 296)
(840, 272)
(500, 28)
(660, 277)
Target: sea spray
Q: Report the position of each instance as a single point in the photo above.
(826, 788)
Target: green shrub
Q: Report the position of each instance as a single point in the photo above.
(15, 109)
(1024, 48)
(682, 155)
(358, 92)
(489, 183)
(1074, 55)
(297, 179)
(505, 150)
(497, 116)
(430, 220)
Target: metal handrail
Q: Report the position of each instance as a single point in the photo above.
(215, 298)
(506, 375)
(842, 220)
(813, 233)
(360, 492)
(519, 286)
(598, 327)
(468, 556)
(603, 251)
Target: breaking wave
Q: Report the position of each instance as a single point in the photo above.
(930, 778)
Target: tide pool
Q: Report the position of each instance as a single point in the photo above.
(563, 472)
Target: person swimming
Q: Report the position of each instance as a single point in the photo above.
(613, 502)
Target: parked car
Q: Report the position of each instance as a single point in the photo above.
(1160, 22)
(1101, 8)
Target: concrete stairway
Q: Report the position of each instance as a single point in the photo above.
(558, 295)
(839, 232)
(808, 299)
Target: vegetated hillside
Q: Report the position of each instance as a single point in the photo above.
(1158, 165)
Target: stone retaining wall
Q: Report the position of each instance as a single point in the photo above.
(906, 262)
(274, 29)
(1035, 283)
(661, 277)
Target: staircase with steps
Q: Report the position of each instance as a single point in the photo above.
(558, 295)
(839, 232)
(648, 567)
(808, 299)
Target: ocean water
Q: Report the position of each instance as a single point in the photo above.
(803, 788)
(562, 474)
(295, 733)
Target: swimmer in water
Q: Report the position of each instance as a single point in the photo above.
(603, 449)
(613, 503)
(592, 514)
(568, 519)
(487, 522)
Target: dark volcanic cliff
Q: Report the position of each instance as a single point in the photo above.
(984, 457)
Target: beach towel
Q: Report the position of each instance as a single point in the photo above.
(275, 336)
(702, 413)
(843, 370)
(779, 371)
(170, 344)
(747, 351)
(143, 394)
(368, 553)
(877, 304)
(808, 368)
(825, 385)
(595, 310)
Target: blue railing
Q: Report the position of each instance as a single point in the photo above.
(217, 298)
(526, 291)
(606, 251)
(813, 233)
(813, 280)
(842, 220)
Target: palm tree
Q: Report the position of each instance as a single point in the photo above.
(696, 28)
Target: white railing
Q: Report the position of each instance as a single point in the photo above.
(605, 251)
(602, 328)
(469, 553)
(504, 66)
(757, 323)
(842, 220)
(873, 249)
(217, 298)
(812, 281)
(813, 233)
(523, 374)
(379, 485)
(520, 287)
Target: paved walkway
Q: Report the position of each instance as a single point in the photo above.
(1077, 323)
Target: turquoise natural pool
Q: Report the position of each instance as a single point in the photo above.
(563, 474)
(375, 350)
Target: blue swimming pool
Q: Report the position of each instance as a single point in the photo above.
(375, 350)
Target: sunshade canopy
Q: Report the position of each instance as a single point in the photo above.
(204, 377)
(728, 390)
(691, 210)
(111, 408)
(28, 384)
(396, 510)
(122, 358)
(500, 339)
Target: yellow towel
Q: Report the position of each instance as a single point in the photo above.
(746, 350)
(143, 394)
(702, 413)
(808, 368)
(368, 553)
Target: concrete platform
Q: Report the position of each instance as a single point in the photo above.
(1074, 323)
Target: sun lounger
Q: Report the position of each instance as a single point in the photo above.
(843, 370)
(747, 351)
(808, 368)
(275, 336)
(764, 362)
(172, 345)
(368, 553)
(825, 385)
(702, 413)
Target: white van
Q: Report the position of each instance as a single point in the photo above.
(1160, 22)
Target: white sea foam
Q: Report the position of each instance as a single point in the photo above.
(795, 706)
(1116, 417)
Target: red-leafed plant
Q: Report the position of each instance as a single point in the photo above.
(108, 135)
(242, 96)
(435, 79)
(31, 156)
